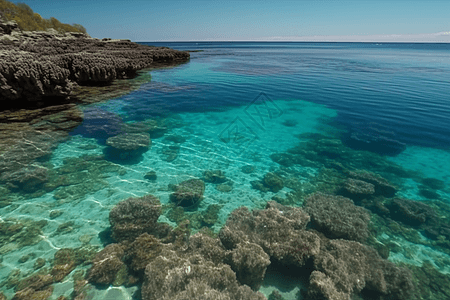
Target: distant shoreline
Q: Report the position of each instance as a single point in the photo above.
(299, 42)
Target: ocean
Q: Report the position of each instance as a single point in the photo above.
(309, 113)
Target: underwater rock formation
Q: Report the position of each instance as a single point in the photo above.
(107, 265)
(172, 276)
(337, 217)
(411, 212)
(151, 175)
(100, 124)
(357, 189)
(36, 65)
(344, 268)
(278, 229)
(135, 216)
(382, 186)
(370, 138)
(214, 176)
(188, 193)
(271, 182)
(127, 145)
(233, 266)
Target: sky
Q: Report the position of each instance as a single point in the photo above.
(253, 20)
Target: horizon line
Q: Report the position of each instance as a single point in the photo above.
(291, 41)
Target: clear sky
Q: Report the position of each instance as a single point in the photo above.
(198, 20)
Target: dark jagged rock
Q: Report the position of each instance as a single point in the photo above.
(188, 193)
(36, 65)
(135, 216)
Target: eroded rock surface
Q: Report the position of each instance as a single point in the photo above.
(40, 64)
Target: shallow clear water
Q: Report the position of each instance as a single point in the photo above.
(236, 104)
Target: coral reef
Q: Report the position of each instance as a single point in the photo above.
(337, 217)
(188, 193)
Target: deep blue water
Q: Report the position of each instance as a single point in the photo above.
(400, 91)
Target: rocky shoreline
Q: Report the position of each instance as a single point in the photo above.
(37, 67)
(44, 75)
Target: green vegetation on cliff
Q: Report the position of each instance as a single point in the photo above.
(28, 20)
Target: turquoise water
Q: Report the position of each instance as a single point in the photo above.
(384, 108)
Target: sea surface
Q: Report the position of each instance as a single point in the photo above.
(381, 108)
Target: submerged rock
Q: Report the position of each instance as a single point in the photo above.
(133, 217)
(373, 139)
(345, 268)
(127, 145)
(337, 217)
(100, 124)
(107, 265)
(151, 176)
(271, 182)
(278, 229)
(214, 176)
(172, 276)
(411, 212)
(188, 193)
(382, 186)
(357, 189)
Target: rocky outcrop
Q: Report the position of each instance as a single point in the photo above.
(36, 65)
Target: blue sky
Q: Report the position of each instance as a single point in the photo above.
(173, 20)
